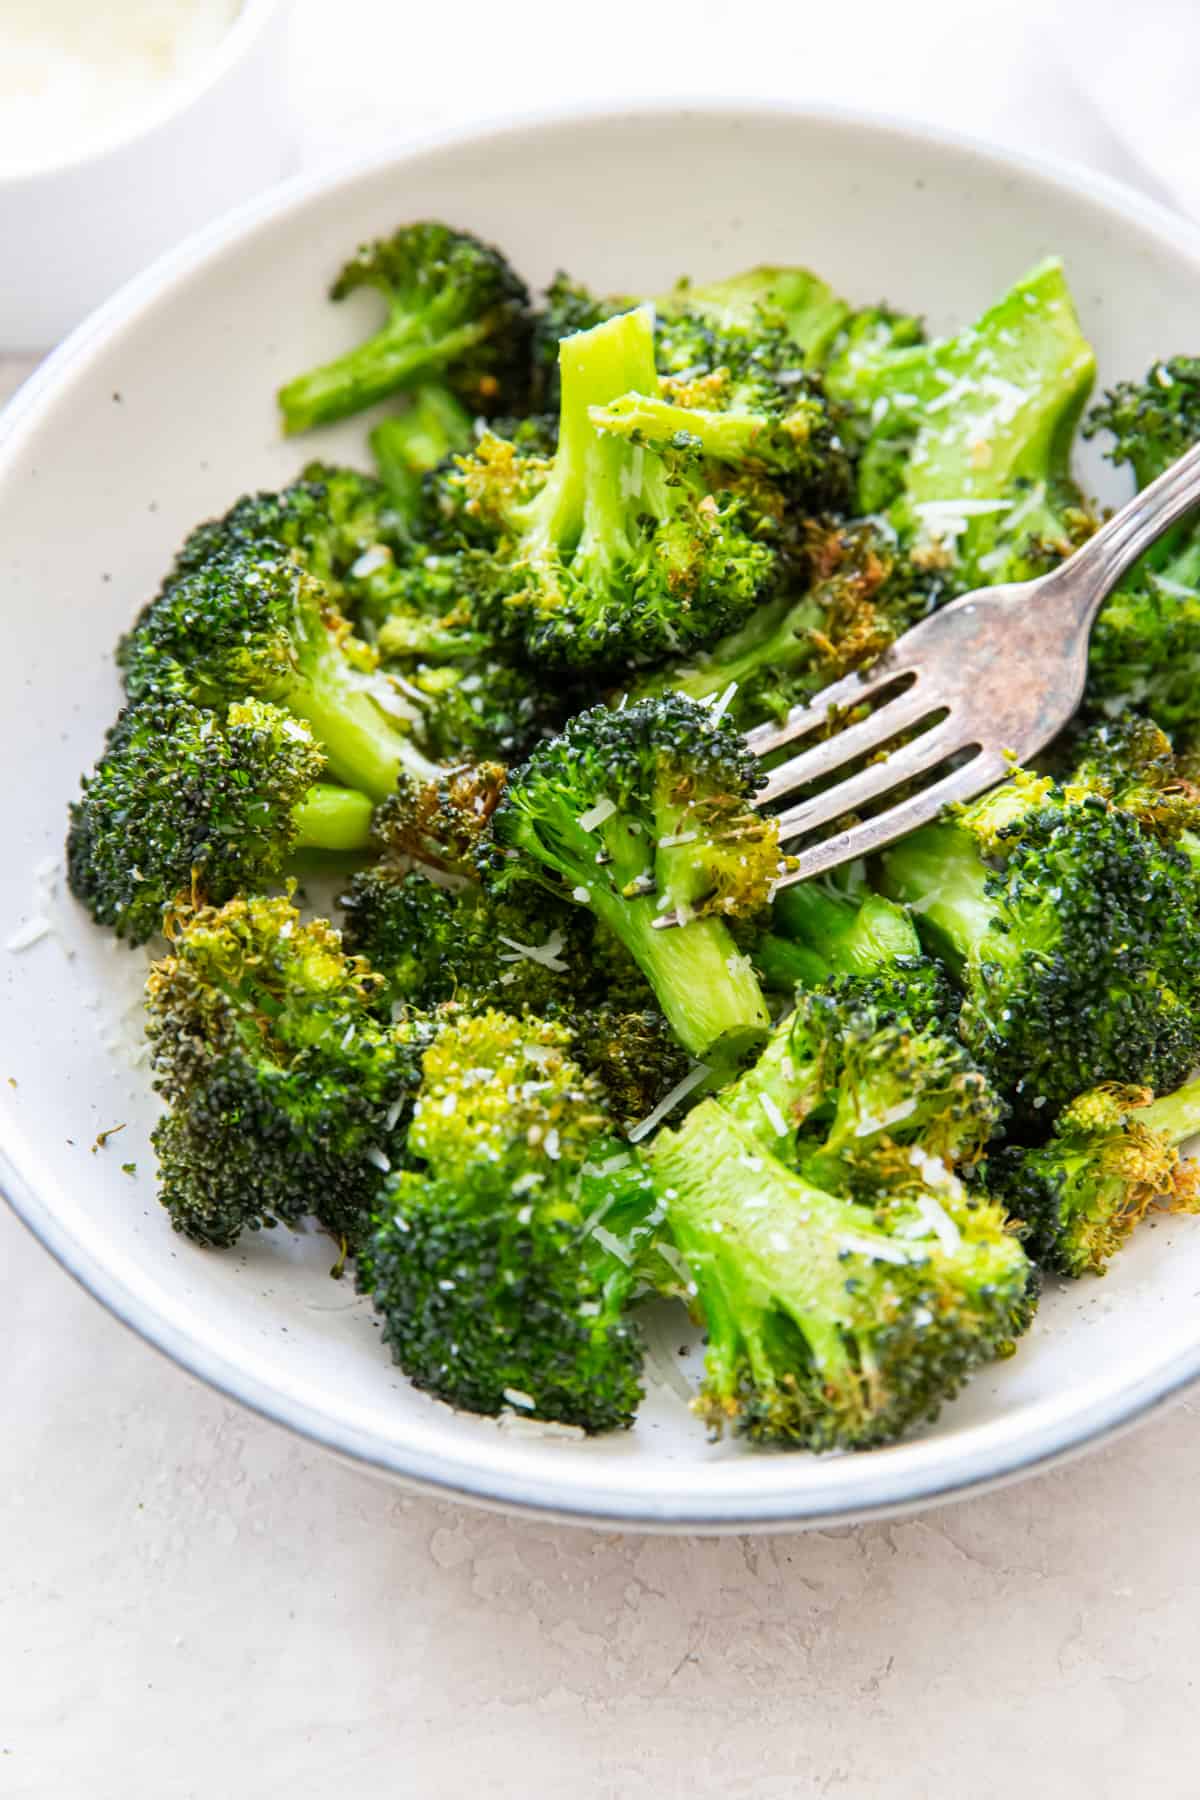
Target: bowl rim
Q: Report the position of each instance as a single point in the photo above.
(243, 33)
(883, 1483)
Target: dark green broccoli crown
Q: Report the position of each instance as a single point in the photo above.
(520, 949)
(1075, 935)
(1145, 648)
(635, 1056)
(484, 709)
(1080, 1195)
(287, 1093)
(497, 1290)
(832, 1324)
(1129, 761)
(186, 802)
(445, 822)
(455, 310)
(1152, 421)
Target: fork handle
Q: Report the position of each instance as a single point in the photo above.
(1095, 569)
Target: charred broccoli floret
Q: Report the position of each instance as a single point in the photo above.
(612, 553)
(187, 803)
(832, 1324)
(645, 816)
(455, 311)
(1113, 1155)
(250, 621)
(287, 1094)
(503, 1266)
(1073, 931)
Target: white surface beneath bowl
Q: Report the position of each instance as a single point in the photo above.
(158, 413)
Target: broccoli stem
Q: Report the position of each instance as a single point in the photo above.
(849, 936)
(705, 986)
(784, 965)
(333, 818)
(1176, 1116)
(362, 747)
(939, 870)
(417, 440)
(778, 636)
(374, 369)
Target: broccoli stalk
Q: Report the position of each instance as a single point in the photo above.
(251, 621)
(1113, 1156)
(819, 931)
(643, 814)
(407, 446)
(831, 1324)
(454, 309)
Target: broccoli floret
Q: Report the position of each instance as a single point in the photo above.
(331, 520)
(768, 297)
(191, 803)
(1130, 761)
(645, 816)
(854, 596)
(1073, 932)
(445, 822)
(252, 622)
(831, 1324)
(1145, 646)
(497, 1267)
(612, 553)
(287, 1094)
(819, 930)
(967, 440)
(1114, 1155)
(455, 311)
(633, 1054)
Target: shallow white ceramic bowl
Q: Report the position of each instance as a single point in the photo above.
(158, 413)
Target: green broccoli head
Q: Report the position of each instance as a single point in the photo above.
(455, 311)
(1073, 932)
(504, 1266)
(645, 815)
(832, 1324)
(252, 622)
(1153, 421)
(1113, 1155)
(287, 1093)
(612, 553)
(188, 803)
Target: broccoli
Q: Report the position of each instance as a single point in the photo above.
(250, 621)
(644, 815)
(287, 1093)
(612, 553)
(1113, 1155)
(832, 1324)
(503, 1266)
(190, 802)
(967, 440)
(455, 311)
(1073, 931)
(818, 930)
(1145, 646)
(853, 597)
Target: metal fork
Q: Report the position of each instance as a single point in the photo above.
(992, 677)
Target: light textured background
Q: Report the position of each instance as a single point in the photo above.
(194, 1605)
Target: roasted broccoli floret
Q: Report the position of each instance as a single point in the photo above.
(456, 311)
(966, 441)
(1073, 931)
(187, 803)
(444, 823)
(645, 816)
(854, 595)
(504, 1265)
(408, 445)
(1145, 646)
(287, 1093)
(253, 622)
(612, 553)
(1113, 1155)
(832, 1324)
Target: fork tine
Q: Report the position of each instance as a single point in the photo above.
(923, 754)
(862, 840)
(893, 717)
(851, 690)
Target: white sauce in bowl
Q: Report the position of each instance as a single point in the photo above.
(74, 73)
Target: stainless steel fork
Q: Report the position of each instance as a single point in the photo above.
(992, 678)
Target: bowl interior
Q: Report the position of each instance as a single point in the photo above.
(160, 413)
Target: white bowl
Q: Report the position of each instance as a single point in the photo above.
(74, 230)
(159, 412)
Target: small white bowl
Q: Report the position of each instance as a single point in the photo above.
(73, 231)
(158, 413)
